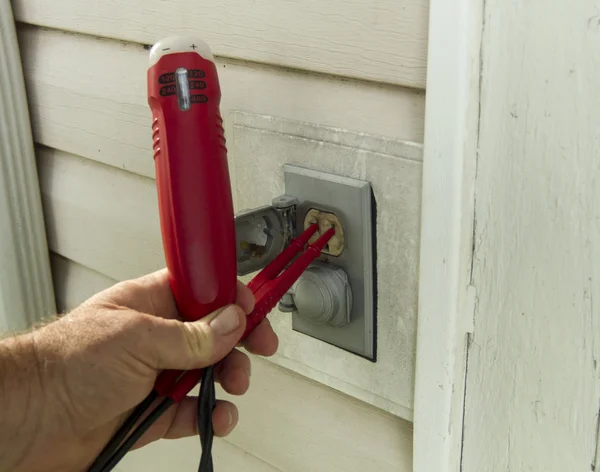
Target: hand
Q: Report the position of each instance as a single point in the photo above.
(95, 364)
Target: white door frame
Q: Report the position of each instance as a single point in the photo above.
(446, 301)
(26, 292)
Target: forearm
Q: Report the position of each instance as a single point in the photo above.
(20, 399)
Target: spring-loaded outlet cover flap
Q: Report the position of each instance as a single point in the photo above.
(260, 237)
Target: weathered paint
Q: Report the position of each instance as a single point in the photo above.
(533, 383)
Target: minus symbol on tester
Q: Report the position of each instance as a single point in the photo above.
(166, 49)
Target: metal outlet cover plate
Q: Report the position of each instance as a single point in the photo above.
(352, 201)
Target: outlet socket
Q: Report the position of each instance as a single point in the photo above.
(326, 220)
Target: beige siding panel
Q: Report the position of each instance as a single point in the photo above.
(184, 455)
(100, 217)
(75, 283)
(299, 425)
(287, 423)
(384, 41)
(81, 106)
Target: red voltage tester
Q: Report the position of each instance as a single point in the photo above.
(198, 227)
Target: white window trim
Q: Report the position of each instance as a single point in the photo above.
(26, 290)
(446, 301)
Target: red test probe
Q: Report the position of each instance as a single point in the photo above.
(198, 228)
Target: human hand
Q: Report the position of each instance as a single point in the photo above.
(92, 366)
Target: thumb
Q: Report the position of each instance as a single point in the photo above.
(194, 345)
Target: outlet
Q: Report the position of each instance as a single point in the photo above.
(347, 205)
(336, 295)
(326, 220)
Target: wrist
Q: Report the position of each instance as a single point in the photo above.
(20, 397)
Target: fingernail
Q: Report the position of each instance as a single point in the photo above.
(230, 418)
(226, 322)
(249, 370)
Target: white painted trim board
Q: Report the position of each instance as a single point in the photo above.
(445, 301)
(26, 292)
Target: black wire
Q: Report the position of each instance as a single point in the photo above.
(137, 434)
(206, 405)
(112, 454)
(115, 441)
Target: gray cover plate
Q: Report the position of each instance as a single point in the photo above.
(352, 201)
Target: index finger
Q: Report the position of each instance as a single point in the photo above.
(262, 341)
(151, 294)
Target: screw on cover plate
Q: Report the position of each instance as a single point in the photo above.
(285, 206)
(284, 201)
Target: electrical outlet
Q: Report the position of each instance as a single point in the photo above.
(347, 205)
(326, 220)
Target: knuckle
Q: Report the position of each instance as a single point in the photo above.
(130, 288)
(198, 339)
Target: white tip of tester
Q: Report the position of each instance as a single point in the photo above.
(184, 43)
